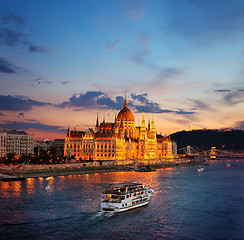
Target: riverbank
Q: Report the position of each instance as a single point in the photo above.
(32, 171)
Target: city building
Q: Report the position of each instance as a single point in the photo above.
(120, 142)
(57, 147)
(17, 142)
(3, 141)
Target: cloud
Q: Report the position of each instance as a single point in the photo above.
(34, 48)
(136, 13)
(168, 72)
(41, 81)
(1, 114)
(239, 125)
(200, 105)
(31, 125)
(241, 90)
(13, 38)
(100, 100)
(11, 19)
(20, 115)
(223, 90)
(110, 45)
(88, 99)
(108, 102)
(94, 100)
(143, 49)
(184, 112)
(7, 67)
(9, 36)
(141, 103)
(233, 98)
(37, 79)
(19, 103)
(65, 82)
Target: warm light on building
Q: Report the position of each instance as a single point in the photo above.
(120, 141)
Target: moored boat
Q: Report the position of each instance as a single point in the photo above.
(145, 169)
(124, 197)
(8, 178)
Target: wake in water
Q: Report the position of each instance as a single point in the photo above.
(101, 216)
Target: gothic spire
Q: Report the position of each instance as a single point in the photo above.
(152, 124)
(97, 123)
(143, 121)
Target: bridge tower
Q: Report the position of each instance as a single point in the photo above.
(213, 153)
(188, 150)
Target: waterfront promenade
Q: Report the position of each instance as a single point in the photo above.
(77, 168)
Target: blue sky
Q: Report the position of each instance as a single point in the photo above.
(62, 62)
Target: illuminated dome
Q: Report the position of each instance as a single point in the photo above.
(125, 114)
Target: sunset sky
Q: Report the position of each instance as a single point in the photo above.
(62, 62)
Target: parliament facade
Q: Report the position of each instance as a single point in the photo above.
(121, 141)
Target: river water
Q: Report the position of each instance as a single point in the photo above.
(185, 205)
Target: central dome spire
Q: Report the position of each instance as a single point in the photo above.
(125, 103)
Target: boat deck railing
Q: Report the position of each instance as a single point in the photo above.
(118, 198)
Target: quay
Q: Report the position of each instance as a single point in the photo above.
(30, 171)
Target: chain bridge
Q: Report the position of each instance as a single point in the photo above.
(212, 153)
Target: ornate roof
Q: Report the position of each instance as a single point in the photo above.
(106, 127)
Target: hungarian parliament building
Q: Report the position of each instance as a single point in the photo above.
(120, 141)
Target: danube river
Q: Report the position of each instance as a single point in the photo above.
(185, 205)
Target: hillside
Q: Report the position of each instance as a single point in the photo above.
(205, 139)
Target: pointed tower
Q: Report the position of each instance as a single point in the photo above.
(143, 130)
(115, 127)
(68, 133)
(143, 145)
(152, 126)
(152, 141)
(97, 125)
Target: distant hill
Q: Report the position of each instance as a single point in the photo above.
(205, 139)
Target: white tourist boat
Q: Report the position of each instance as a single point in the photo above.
(227, 165)
(200, 169)
(123, 197)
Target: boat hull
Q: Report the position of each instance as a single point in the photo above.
(116, 210)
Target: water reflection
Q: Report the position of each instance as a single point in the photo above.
(30, 185)
(9, 189)
(183, 205)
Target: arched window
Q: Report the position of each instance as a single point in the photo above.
(105, 146)
(102, 146)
